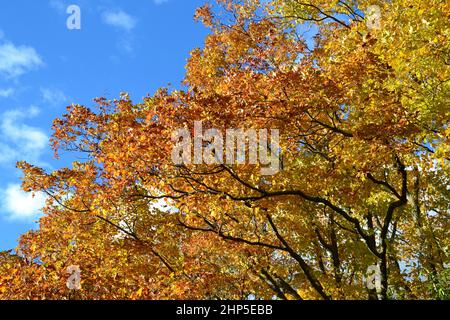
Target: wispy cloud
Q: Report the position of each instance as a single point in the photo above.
(125, 23)
(19, 141)
(17, 60)
(158, 2)
(126, 44)
(119, 19)
(54, 97)
(19, 205)
(6, 93)
(59, 5)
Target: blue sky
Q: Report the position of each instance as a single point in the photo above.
(133, 46)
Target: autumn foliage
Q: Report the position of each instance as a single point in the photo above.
(363, 118)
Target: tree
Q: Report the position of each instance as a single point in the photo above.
(363, 121)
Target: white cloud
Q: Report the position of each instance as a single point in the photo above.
(28, 137)
(53, 97)
(124, 22)
(119, 19)
(6, 93)
(19, 141)
(17, 60)
(20, 205)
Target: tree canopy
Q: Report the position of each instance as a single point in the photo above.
(362, 112)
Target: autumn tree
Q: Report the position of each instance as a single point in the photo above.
(362, 111)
